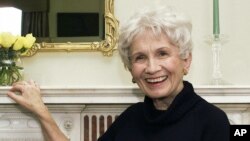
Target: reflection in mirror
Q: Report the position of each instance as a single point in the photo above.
(63, 25)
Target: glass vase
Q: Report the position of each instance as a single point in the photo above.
(11, 71)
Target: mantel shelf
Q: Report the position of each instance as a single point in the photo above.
(73, 104)
(129, 95)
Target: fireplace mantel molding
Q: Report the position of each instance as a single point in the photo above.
(85, 113)
(129, 95)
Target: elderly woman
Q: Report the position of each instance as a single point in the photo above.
(156, 47)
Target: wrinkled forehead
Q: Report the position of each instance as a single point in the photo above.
(149, 40)
(152, 35)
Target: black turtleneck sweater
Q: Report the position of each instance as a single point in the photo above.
(188, 118)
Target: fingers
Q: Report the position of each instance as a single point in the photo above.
(24, 83)
(20, 83)
(32, 82)
(17, 88)
(24, 89)
(15, 97)
(20, 100)
(27, 94)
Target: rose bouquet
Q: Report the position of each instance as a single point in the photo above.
(11, 47)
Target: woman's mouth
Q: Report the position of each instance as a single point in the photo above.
(156, 80)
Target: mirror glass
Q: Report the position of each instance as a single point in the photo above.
(74, 21)
(69, 25)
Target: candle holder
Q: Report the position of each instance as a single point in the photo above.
(216, 42)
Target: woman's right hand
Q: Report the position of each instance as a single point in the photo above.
(27, 94)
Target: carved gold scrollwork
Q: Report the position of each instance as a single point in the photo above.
(106, 46)
(32, 50)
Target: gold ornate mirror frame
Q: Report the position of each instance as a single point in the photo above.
(106, 46)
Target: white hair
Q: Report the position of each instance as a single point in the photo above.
(175, 26)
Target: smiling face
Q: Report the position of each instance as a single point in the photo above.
(156, 65)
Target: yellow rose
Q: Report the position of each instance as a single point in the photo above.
(29, 41)
(7, 39)
(19, 43)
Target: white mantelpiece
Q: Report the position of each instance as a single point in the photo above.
(86, 112)
(129, 95)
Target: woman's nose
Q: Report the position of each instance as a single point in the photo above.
(153, 66)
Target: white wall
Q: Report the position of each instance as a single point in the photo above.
(94, 70)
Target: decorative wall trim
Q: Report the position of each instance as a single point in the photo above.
(86, 113)
(129, 95)
(58, 108)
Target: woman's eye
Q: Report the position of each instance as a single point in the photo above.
(163, 54)
(139, 58)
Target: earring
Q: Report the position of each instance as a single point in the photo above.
(133, 80)
(185, 72)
